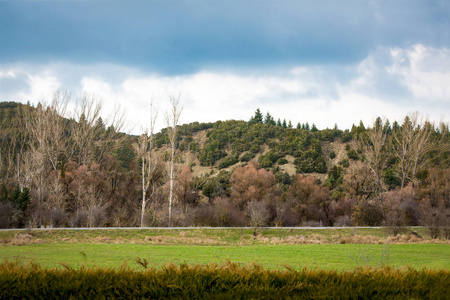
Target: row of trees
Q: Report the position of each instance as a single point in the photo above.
(53, 157)
(81, 171)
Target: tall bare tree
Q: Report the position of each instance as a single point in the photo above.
(172, 119)
(95, 138)
(410, 144)
(149, 161)
(374, 145)
(84, 131)
(47, 145)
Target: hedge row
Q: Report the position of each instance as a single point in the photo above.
(224, 281)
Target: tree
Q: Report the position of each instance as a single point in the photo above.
(257, 118)
(145, 150)
(185, 188)
(358, 183)
(257, 213)
(374, 145)
(48, 147)
(411, 142)
(84, 131)
(312, 201)
(269, 120)
(91, 142)
(249, 183)
(172, 119)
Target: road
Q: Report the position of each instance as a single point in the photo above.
(187, 228)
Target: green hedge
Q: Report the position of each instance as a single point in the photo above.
(224, 281)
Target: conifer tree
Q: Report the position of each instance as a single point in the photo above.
(257, 118)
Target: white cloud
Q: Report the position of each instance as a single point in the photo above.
(424, 70)
(388, 83)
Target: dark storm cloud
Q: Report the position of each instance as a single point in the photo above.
(185, 36)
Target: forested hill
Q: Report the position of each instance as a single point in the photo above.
(84, 172)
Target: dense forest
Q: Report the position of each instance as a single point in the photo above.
(74, 169)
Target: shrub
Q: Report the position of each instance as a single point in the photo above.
(229, 281)
(352, 154)
(332, 155)
(228, 161)
(247, 156)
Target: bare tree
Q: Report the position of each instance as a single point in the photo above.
(47, 128)
(47, 145)
(84, 131)
(172, 119)
(410, 144)
(258, 214)
(13, 146)
(144, 148)
(95, 138)
(374, 145)
(111, 138)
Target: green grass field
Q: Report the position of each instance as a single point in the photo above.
(272, 249)
(338, 257)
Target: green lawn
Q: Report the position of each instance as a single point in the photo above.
(326, 256)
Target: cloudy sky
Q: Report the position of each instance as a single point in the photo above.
(321, 62)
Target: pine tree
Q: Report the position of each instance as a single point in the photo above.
(257, 118)
(269, 120)
(3, 193)
(23, 200)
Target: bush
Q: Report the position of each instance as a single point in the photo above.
(228, 161)
(229, 281)
(247, 156)
(332, 155)
(282, 161)
(352, 154)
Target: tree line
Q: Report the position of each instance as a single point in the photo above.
(82, 171)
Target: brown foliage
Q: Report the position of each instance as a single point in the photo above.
(249, 183)
(312, 201)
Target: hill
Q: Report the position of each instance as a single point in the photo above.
(84, 172)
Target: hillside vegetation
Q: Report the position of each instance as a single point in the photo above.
(82, 171)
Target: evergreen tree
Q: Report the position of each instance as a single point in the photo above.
(257, 118)
(284, 123)
(279, 122)
(23, 200)
(299, 126)
(14, 198)
(269, 120)
(290, 124)
(3, 193)
(314, 128)
(387, 127)
(307, 126)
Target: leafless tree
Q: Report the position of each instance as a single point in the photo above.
(172, 118)
(374, 145)
(257, 213)
(47, 145)
(84, 131)
(149, 160)
(95, 138)
(410, 144)
(13, 147)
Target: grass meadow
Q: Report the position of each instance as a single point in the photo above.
(328, 249)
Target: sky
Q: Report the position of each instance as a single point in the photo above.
(322, 62)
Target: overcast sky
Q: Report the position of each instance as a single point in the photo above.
(321, 62)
